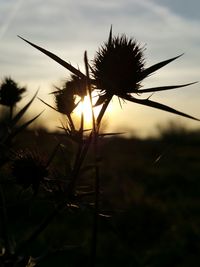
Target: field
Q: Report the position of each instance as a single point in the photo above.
(149, 203)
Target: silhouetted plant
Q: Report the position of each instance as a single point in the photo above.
(10, 95)
(10, 126)
(118, 69)
(10, 92)
(65, 102)
(29, 169)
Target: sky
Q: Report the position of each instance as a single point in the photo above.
(166, 28)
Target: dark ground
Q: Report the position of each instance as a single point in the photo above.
(149, 188)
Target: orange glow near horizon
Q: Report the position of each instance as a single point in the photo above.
(86, 108)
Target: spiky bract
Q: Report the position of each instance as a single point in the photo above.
(118, 65)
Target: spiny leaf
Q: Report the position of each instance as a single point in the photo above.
(53, 107)
(160, 106)
(157, 66)
(25, 125)
(100, 100)
(22, 111)
(55, 92)
(47, 104)
(162, 88)
(88, 75)
(58, 90)
(110, 36)
(57, 59)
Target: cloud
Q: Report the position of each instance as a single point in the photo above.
(7, 20)
(187, 9)
(69, 27)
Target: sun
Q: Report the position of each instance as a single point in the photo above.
(86, 108)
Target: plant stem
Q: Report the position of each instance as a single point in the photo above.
(81, 155)
(11, 112)
(94, 241)
(4, 221)
(97, 177)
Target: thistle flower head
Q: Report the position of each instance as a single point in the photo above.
(65, 101)
(10, 93)
(77, 85)
(29, 169)
(118, 65)
(65, 97)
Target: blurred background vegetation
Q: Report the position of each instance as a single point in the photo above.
(149, 190)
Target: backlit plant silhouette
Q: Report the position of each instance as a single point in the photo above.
(117, 69)
(10, 95)
(11, 125)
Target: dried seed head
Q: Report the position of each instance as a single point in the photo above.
(65, 101)
(10, 93)
(29, 169)
(65, 97)
(77, 85)
(118, 65)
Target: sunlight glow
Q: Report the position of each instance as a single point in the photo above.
(86, 108)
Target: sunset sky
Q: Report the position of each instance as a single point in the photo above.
(166, 28)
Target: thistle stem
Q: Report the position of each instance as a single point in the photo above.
(71, 122)
(94, 241)
(4, 220)
(11, 112)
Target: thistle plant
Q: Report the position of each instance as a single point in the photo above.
(29, 169)
(118, 69)
(11, 126)
(10, 93)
